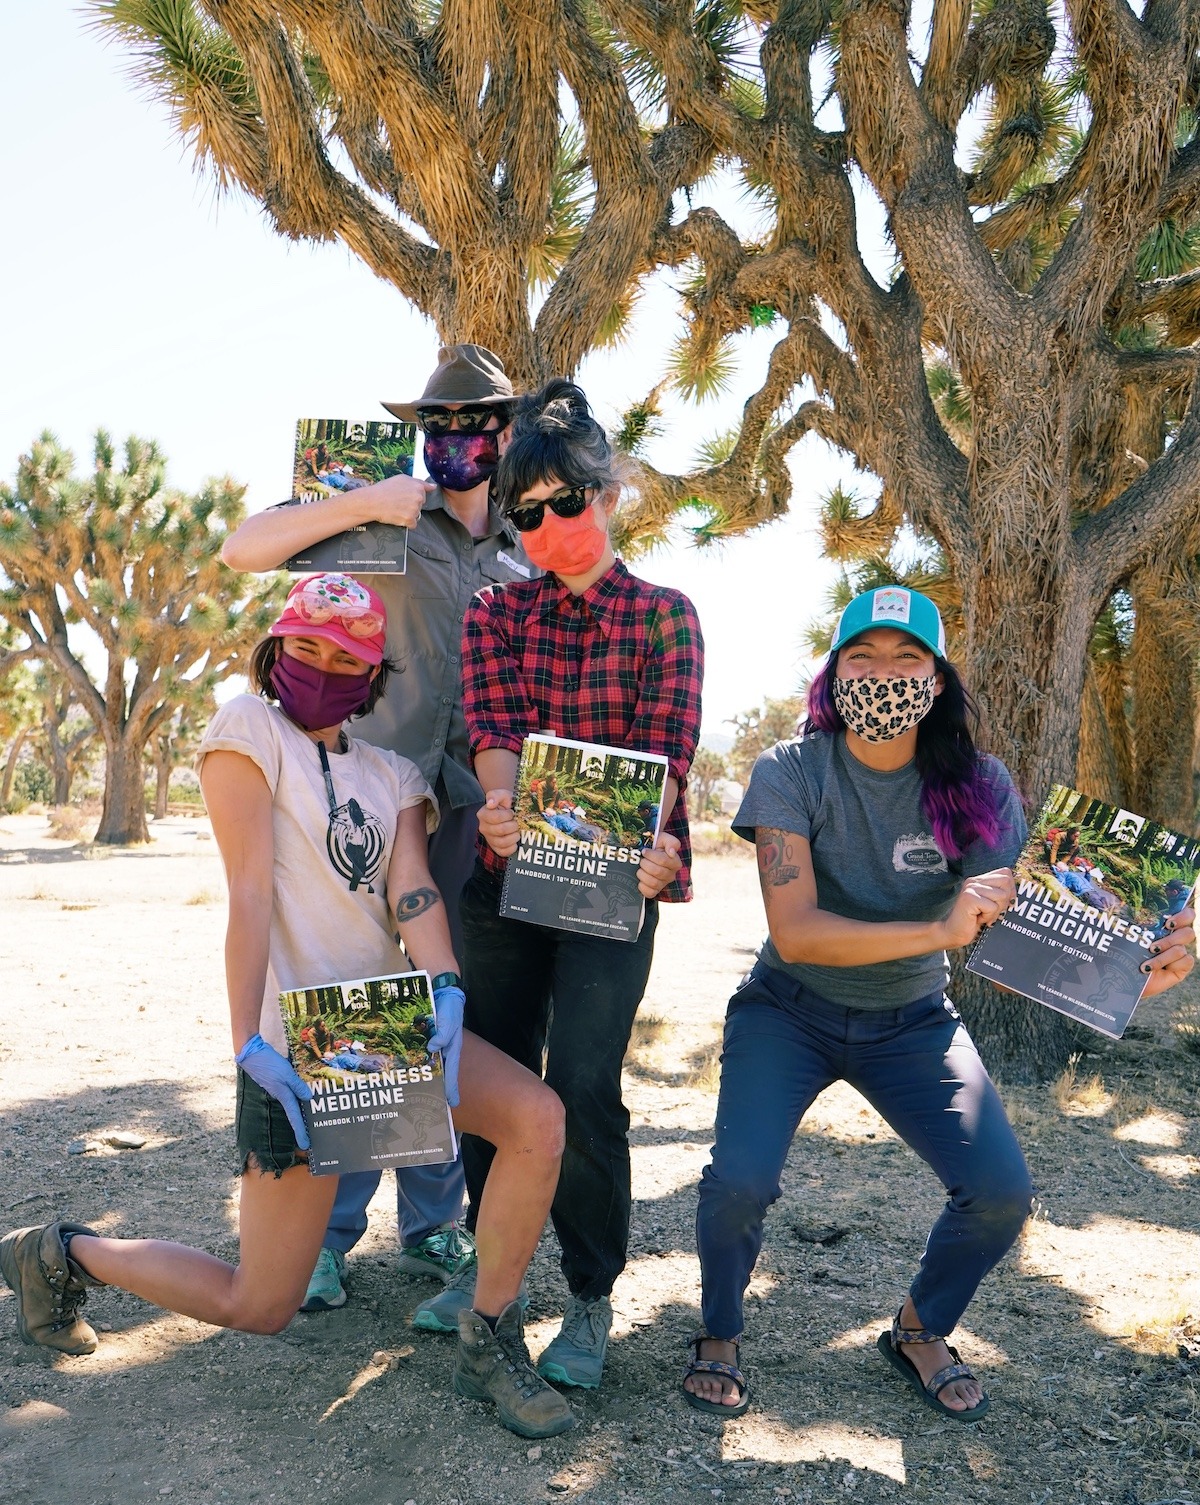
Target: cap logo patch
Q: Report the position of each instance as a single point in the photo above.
(891, 605)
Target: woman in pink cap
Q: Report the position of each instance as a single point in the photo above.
(324, 841)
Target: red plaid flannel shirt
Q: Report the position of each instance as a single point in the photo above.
(622, 664)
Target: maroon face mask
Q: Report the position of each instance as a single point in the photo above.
(313, 698)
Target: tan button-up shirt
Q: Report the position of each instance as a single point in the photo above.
(421, 715)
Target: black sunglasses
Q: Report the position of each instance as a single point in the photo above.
(472, 418)
(571, 503)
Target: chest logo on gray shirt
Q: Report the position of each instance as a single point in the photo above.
(355, 841)
(918, 854)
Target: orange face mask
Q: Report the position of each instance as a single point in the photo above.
(566, 545)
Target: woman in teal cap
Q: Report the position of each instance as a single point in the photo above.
(884, 837)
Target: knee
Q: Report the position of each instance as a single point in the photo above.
(541, 1125)
(736, 1194)
(265, 1317)
(1002, 1205)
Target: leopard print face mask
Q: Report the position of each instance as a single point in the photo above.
(880, 710)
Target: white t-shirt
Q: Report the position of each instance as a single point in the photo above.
(329, 917)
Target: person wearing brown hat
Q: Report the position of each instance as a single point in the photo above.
(457, 544)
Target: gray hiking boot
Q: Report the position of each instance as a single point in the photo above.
(576, 1356)
(50, 1287)
(496, 1366)
(439, 1314)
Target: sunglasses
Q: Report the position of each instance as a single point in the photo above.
(571, 503)
(473, 418)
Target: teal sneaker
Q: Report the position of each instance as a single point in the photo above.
(576, 1356)
(326, 1291)
(438, 1254)
(439, 1314)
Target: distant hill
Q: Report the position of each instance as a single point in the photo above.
(718, 742)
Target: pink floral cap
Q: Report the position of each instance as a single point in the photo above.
(339, 608)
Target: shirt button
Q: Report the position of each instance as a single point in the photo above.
(460, 616)
(454, 658)
(437, 742)
(466, 548)
(445, 700)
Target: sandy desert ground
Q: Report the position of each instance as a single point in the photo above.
(113, 1019)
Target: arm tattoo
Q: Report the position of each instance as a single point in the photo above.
(414, 903)
(775, 857)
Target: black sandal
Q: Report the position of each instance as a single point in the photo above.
(697, 1365)
(888, 1346)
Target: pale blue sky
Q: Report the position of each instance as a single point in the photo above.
(139, 299)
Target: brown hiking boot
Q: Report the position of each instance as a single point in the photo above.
(496, 1367)
(50, 1287)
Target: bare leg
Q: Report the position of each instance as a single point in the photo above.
(281, 1225)
(960, 1395)
(508, 1106)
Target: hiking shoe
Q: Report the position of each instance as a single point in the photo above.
(439, 1314)
(50, 1287)
(438, 1254)
(576, 1356)
(325, 1289)
(496, 1366)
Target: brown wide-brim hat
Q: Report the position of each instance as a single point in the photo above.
(465, 373)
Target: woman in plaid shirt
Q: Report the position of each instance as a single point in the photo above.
(589, 652)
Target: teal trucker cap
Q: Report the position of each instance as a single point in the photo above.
(893, 606)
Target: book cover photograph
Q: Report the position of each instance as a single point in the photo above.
(334, 455)
(1096, 887)
(587, 813)
(378, 1098)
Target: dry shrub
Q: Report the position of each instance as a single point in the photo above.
(704, 1068)
(66, 823)
(648, 1030)
(1081, 1097)
(711, 839)
(203, 896)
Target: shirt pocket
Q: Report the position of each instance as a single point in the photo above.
(493, 571)
(430, 571)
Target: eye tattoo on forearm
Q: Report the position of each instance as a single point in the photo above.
(414, 903)
(775, 866)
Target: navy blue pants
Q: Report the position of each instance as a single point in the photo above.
(918, 1068)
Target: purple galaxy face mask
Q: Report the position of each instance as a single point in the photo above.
(459, 462)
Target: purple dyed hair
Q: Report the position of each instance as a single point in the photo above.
(957, 799)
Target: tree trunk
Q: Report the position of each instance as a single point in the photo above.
(1164, 663)
(1103, 764)
(162, 775)
(10, 767)
(1028, 627)
(123, 818)
(58, 767)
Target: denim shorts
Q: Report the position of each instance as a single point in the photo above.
(265, 1141)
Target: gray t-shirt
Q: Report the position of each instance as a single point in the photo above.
(873, 855)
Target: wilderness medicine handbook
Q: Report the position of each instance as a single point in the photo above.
(587, 813)
(1096, 887)
(334, 455)
(379, 1099)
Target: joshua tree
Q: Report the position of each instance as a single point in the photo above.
(19, 709)
(138, 564)
(66, 730)
(515, 171)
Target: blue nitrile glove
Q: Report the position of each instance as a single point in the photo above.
(275, 1074)
(449, 1003)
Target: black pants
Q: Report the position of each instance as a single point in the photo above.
(532, 989)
